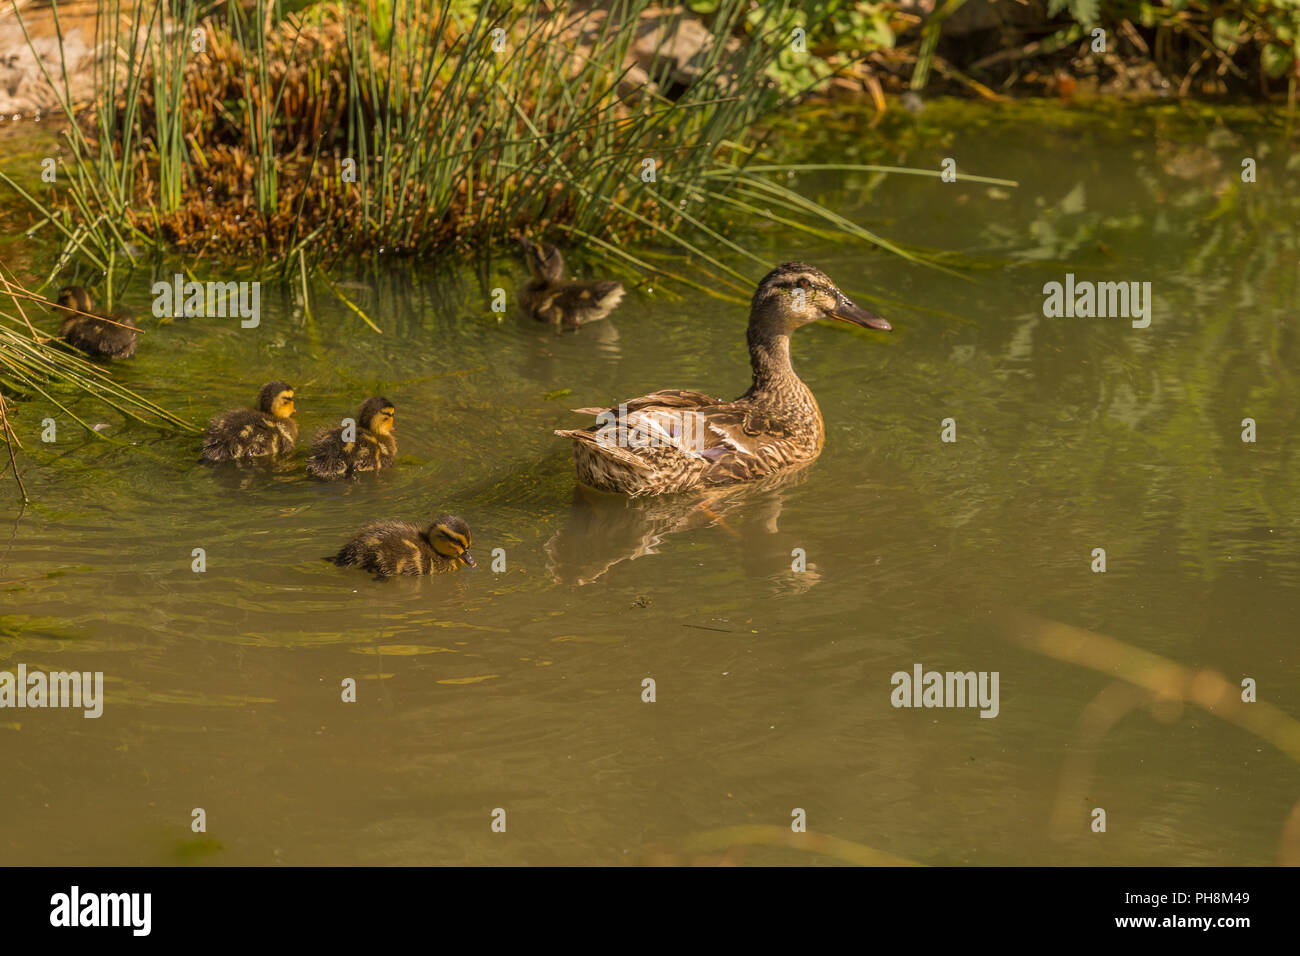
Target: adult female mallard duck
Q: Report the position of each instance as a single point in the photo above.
(104, 336)
(268, 429)
(366, 445)
(549, 297)
(672, 440)
(396, 547)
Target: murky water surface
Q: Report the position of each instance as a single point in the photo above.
(522, 689)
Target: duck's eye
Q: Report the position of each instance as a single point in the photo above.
(804, 284)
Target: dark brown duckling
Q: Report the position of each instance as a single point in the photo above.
(549, 297)
(397, 547)
(243, 433)
(112, 336)
(372, 446)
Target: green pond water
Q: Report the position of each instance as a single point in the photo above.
(522, 689)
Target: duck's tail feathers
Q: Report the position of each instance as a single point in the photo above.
(612, 452)
(609, 294)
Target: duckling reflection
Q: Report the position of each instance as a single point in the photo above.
(604, 530)
(549, 358)
(245, 474)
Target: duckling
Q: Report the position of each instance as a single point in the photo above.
(549, 297)
(371, 447)
(396, 547)
(673, 439)
(105, 336)
(268, 429)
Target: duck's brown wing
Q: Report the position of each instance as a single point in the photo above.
(664, 398)
(669, 423)
(751, 443)
(673, 440)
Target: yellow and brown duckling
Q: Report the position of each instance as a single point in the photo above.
(104, 336)
(367, 444)
(387, 548)
(672, 440)
(549, 297)
(243, 433)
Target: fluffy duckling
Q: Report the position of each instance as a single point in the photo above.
(111, 336)
(396, 547)
(549, 297)
(366, 445)
(268, 429)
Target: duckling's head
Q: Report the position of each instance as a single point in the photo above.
(75, 299)
(544, 261)
(449, 536)
(276, 400)
(794, 294)
(377, 415)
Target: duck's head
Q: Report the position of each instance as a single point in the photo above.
(75, 299)
(794, 294)
(377, 415)
(276, 400)
(450, 537)
(544, 260)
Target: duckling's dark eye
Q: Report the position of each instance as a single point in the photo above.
(804, 284)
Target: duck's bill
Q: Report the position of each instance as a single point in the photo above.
(468, 559)
(848, 312)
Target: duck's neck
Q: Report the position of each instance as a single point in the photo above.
(769, 357)
(386, 441)
(776, 388)
(285, 426)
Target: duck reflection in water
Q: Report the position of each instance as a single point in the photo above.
(604, 530)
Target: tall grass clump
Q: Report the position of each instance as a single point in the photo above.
(415, 127)
(406, 126)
